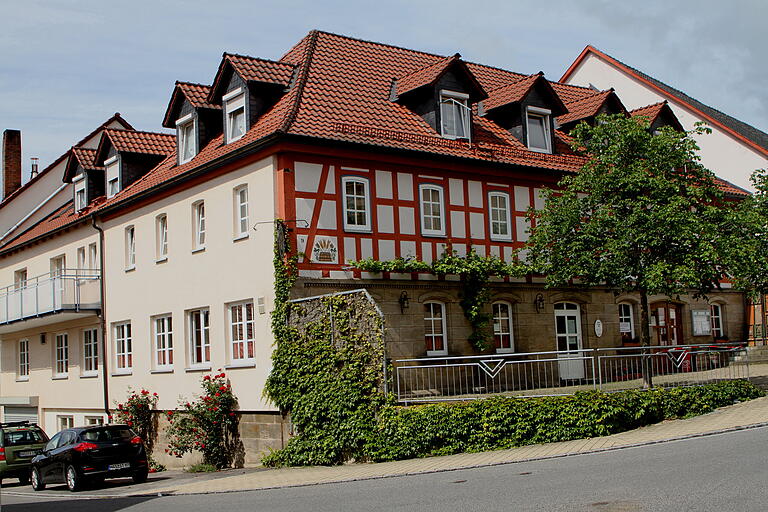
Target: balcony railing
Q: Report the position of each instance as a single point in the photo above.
(69, 290)
(528, 374)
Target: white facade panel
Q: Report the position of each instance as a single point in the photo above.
(307, 176)
(384, 184)
(386, 218)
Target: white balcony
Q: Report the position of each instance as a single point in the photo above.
(50, 298)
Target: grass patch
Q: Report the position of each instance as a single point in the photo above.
(201, 468)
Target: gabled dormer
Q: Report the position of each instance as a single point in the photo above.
(588, 108)
(442, 93)
(246, 87)
(128, 155)
(195, 120)
(659, 115)
(526, 108)
(86, 177)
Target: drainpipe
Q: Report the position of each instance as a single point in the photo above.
(103, 317)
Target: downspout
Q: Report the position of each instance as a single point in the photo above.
(103, 317)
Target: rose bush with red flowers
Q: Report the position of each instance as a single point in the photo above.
(208, 424)
(136, 412)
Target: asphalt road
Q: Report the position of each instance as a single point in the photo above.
(725, 472)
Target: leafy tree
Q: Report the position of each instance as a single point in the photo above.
(642, 216)
(749, 239)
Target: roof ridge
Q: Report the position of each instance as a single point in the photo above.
(111, 130)
(301, 82)
(227, 54)
(591, 97)
(178, 82)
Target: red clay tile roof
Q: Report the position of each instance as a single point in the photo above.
(254, 69)
(510, 93)
(197, 94)
(86, 157)
(650, 111)
(588, 106)
(570, 93)
(424, 76)
(730, 189)
(148, 143)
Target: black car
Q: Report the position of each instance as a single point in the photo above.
(90, 454)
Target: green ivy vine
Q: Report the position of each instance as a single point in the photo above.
(475, 272)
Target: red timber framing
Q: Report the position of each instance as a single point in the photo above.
(311, 200)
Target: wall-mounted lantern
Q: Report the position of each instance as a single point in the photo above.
(539, 302)
(403, 301)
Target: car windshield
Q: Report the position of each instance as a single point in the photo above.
(107, 434)
(22, 437)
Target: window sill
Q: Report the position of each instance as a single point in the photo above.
(241, 236)
(161, 260)
(60, 377)
(505, 350)
(433, 235)
(22, 379)
(198, 369)
(89, 375)
(130, 269)
(244, 364)
(437, 353)
(499, 239)
(162, 370)
(540, 150)
(353, 229)
(121, 373)
(198, 249)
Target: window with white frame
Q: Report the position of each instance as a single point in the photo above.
(198, 226)
(357, 204)
(80, 197)
(94, 420)
(716, 315)
(62, 354)
(432, 210)
(58, 264)
(626, 322)
(199, 338)
(234, 107)
(161, 237)
(66, 422)
(93, 261)
(112, 172)
(81, 258)
(434, 328)
(186, 129)
(24, 358)
(90, 352)
(240, 208)
(20, 279)
(163, 334)
(502, 327)
(130, 248)
(123, 347)
(455, 115)
(242, 336)
(539, 134)
(498, 204)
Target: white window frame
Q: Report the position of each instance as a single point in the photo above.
(65, 421)
(93, 420)
(199, 320)
(719, 331)
(112, 174)
(432, 319)
(366, 227)
(461, 100)
(23, 359)
(627, 317)
(130, 248)
(545, 114)
(161, 237)
(93, 254)
(198, 226)
(239, 326)
(509, 333)
(507, 213)
(234, 101)
(428, 231)
(162, 342)
(80, 200)
(58, 266)
(183, 138)
(123, 335)
(90, 341)
(240, 209)
(61, 355)
(20, 279)
(81, 258)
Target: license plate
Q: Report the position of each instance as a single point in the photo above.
(122, 465)
(26, 453)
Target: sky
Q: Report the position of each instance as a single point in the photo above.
(68, 65)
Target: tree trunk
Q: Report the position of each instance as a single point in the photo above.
(645, 338)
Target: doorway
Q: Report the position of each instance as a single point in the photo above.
(568, 334)
(666, 321)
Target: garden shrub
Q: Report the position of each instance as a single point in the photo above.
(137, 413)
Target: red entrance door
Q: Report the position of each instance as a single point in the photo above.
(666, 321)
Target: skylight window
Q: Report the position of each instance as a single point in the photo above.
(113, 176)
(187, 141)
(455, 115)
(539, 135)
(80, 198)
(234, 106)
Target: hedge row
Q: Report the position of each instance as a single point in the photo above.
(506, 422)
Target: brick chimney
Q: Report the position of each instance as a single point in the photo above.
(11, 170)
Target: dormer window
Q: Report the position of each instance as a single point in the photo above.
(112, 171)
(80, 198)
(455, 115)
(187, 139)
(234, 106)
(539, 134)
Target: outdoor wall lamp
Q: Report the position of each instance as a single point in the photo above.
(403, 301)
(42, 339)
(539, 302)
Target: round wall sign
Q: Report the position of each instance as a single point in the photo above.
(598, 328)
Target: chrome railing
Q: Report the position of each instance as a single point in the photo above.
(71, 289)
(529, 374)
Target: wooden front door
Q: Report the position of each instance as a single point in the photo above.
(666, 321)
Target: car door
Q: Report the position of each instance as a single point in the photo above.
(59, 456)
(45, 460)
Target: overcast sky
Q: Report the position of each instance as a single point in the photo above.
(67, 65)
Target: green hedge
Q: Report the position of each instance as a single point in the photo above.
(505, 422)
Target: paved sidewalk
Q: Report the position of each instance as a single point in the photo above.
(744, 415)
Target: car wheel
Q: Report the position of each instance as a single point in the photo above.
(37, 480)
(140, 476)
(24, 479)
(74, 482)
